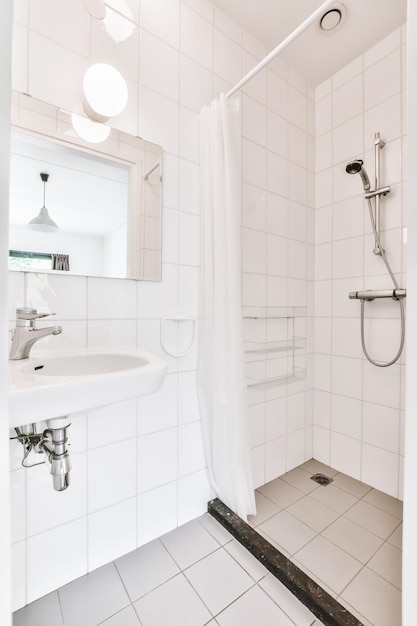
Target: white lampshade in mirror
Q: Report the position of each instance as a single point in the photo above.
(43, 222)
(87, 129)
(118, 21)
(105, 92)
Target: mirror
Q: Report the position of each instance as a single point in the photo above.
(105, 198)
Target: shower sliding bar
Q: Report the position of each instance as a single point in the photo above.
(378, 145)
(372, 294)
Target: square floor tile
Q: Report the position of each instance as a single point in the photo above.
(287, 531)
(265, 509)
(218, 580)
(146, 568)
(313, 513)
(354, 612)
(387, 562)
(300, 479)
(387, 503)
(280, 492)
(351, 485)
(92, 598)
(250, 564)
(353, 539)
(396, 538)
(287, 601)
(215, 529)
(189, 543)
(315, 467)
(174, 603)
(375, 598)
(126, 617)
(331, 564)
(46, 610)
(336, 499)
(370, 517)
(254, 607)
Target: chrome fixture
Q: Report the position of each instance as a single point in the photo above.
(151, 171)
(43, 222)
(52, 442)
(26, 334)
(372, 294)
(356, 167)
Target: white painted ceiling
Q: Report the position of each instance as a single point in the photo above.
(315, 54)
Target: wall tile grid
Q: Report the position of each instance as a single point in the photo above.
(359, 408)
(277, 269)
(138, 467)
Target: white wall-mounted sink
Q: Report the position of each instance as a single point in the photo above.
(49, 387)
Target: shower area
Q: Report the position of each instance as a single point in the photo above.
(323, 306)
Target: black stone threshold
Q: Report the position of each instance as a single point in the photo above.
(328, 610)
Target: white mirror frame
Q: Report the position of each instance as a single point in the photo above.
(144, 245)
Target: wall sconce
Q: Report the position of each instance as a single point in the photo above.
(105, 92)
(43, 222)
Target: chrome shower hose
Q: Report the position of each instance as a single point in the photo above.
(400, 300)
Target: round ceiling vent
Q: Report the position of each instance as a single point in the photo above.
(332, 18)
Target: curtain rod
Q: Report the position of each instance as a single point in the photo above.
(300, 29)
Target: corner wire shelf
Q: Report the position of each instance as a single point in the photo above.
(289, 346)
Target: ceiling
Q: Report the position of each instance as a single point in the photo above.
(315, 54)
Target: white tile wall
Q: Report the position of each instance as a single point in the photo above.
(363, 436)
(144, 461)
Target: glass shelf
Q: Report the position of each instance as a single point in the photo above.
(284, 345)
(296, 376)
(273, 312)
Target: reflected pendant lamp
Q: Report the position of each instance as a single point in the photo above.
(43, 222)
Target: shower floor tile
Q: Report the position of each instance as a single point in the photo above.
(199, 574)
(354, 552)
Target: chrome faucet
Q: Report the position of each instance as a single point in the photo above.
(26, 334)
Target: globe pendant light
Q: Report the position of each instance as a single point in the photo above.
(42, 222)
(105, 92)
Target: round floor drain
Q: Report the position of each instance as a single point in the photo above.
(322, 479)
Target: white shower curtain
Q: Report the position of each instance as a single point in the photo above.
(221, 378)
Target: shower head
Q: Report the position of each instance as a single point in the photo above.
(356, 167)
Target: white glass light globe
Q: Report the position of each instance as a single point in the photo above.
(90, 131)
(105, 90)
(118, 21)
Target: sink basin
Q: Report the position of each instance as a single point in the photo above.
(85, 364)
(53, 386)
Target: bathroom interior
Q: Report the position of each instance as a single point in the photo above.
(327, 385)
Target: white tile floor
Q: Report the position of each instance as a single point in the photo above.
(195, 575)
(347, 536)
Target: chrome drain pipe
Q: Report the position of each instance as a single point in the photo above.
(53, 444)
